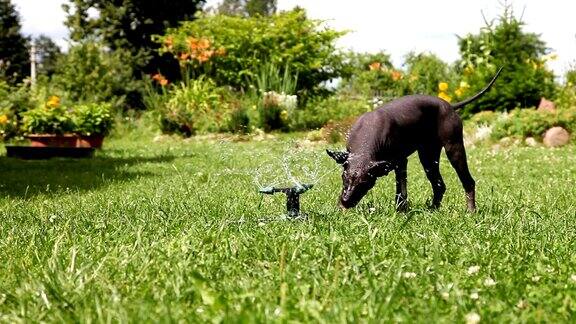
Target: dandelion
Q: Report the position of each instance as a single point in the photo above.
(489, 282)
(472, 318)
(442, 86)
(375, 66)
(459, 92)
(409, 275)
(3, 120)
(473, 270)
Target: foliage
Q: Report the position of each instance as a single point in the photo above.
(425, 71)
(524, 79)
(247, 8)
(53, 117)
(322, 111)
(532, 122)
(14, 57)
(370, 75)
(191, 107)
(129, 25)
(92, 118)
(89, 73)
(235, 48)
(48, 54)
(49, 118)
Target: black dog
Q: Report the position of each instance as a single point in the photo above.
(381, 141)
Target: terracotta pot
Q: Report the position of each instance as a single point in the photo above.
(52, 140)
(94, 141)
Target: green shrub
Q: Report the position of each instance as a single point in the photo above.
(47, 119)
(531, 122)
(54, 118)
(319, 112)
(524, 79)
(231, 50)
(194, 106)
(90, 73)
(93, 118)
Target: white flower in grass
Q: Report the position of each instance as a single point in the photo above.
(472, 318)
(536, 278)
(489, 282)
(409, 275)
(445, 295)
(522, 304)
(473, 270)
(573, 277)
(474, 296)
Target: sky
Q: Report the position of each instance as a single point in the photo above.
(396, 27)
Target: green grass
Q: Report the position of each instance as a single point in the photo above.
(176, 230)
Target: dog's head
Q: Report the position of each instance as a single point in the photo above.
(359, 175)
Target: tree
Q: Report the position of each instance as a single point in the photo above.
(524, 79)
(130, 25)
(14, 54)
(48, 54)
(248, 8)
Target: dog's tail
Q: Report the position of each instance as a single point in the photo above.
(461, 104)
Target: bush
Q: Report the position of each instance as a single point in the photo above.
(319, 112)
(54, 118)
(231, 50)
(524, 79)
(191, 107)
(531, 122)
(89, 73)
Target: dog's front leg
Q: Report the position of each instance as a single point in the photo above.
(401, 185)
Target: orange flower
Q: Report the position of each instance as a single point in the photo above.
(184, 56)
(396, 75)
(192, 43)
(160, 79)
(3, 120)
(169, 42)
(374, 66)
(53, 102)
(203, 44)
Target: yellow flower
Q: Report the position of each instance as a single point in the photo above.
(53, 102)
(459, 92)
(442, 86)
(464, 85)
(3, 120)
(468, 70)
(445, 96)
(284, 115)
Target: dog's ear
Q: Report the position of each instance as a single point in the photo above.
(380, 168)
(339, 157)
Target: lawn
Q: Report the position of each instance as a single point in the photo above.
(167, 230)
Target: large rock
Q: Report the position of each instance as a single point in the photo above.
(546, 105)
(556, 136)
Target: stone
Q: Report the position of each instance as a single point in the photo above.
(546, 105)
(556, 136)
(530, 141)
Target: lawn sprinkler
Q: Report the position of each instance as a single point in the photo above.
(292, 197)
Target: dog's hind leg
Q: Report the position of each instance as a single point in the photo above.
(457, 156)
(430, 159)
(401, 185)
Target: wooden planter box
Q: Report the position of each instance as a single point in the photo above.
(66, 140)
